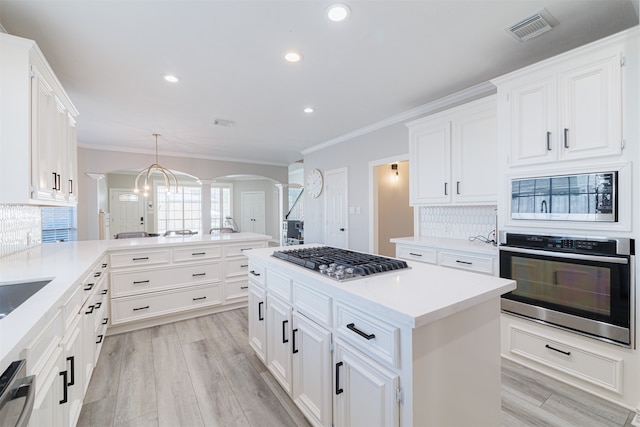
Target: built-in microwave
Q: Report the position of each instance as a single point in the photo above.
(578, 197)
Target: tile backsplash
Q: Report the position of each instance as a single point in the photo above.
(457, 222)
(20, 228)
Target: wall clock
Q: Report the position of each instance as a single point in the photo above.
(315, 183)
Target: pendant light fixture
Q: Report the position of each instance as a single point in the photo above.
(168, 175)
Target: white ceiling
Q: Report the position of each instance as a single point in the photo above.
(389, 57)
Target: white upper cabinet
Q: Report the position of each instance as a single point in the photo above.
(452, 156)
(566, 108)
(37, 129)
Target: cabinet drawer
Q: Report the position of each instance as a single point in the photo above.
(138, 258)
(237, 249)
(417, 254)
(135, 282)
(237, 267)
(161, 303)
(257, 273)
(279, 285)
(375, 338)
(236, 289)
(313, 304)
(478, 264)
(197, 253)
(42, 346)
(602, 370)
(72, 306)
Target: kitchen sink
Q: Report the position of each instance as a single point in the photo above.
(15, 293)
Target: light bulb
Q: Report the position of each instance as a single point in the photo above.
(135, 190)
(146, 187)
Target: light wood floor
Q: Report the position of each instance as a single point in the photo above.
(202, 372)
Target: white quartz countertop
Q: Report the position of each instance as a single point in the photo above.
(466, 245)
(415, 297)
(66, 264)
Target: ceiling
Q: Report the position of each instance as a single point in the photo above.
(387, 58)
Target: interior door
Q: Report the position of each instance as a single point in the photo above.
(127, 211)
(253, 212)
(336, 208)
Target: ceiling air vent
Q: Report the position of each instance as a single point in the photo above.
(223, 122)
(533, 26)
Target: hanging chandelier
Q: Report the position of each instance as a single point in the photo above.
(168, 175)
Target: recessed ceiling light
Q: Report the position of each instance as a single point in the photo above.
(338, 12)
(308, 110)
(293, 56)
(171, 78)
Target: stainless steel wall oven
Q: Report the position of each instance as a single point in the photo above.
(579, 284)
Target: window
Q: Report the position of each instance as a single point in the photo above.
(181, 210)
(296, 207)
(221, 202)
(59, 224)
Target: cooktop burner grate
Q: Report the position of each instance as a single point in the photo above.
(341, 264)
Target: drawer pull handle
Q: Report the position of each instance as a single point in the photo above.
(338, 389)
(464, 262)
(65, 389)
(352, 327)
(104, 291)
(284, 330)
(71, 359)
(254, 273)
(244, 287)
(566, 353)
(199, 298)
(98, 305)
(245, 249)
(260, 316)
(198, 253)
(105, 320)
(104, 265)
(244, 265)
(98, 274)
(414, 254)
(140, 281)
(293, 336)
(141, 308)
(89, 286)
(99, 339)
(199, 274)
(90, 310)
(145, 258)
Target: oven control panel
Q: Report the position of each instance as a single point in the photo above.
(569, 244)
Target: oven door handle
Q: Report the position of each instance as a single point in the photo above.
(609, 259)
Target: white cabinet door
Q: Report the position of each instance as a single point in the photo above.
(312, 370)
(533, 122)
(474, 151)
(43, 114)
(365, 392)
(279, 341)
(590, 100)
(430, 164)
(48, 409)
(257, 322)
(73, 353)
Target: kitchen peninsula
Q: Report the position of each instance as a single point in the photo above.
(415, 346)
(117, 285)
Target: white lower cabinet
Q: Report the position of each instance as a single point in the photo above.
(75, 385)
(365, 392)
(257, 324)
(311, 350)
(51, 392)
(479, 261)
(279, 336)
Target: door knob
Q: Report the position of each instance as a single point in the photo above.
(342, 229)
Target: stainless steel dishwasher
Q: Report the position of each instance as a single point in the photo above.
(17, 393)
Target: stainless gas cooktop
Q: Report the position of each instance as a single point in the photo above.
(340, 264)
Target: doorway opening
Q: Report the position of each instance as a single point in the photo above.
(392, 216)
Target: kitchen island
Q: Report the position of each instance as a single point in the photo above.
(411, 347)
